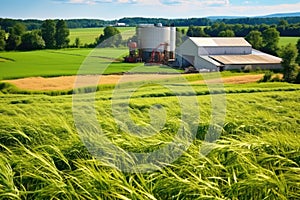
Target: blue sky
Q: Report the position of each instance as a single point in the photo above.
(115, 9)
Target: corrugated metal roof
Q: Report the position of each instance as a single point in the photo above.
(246, 59)
(220, 41)
(207, 58)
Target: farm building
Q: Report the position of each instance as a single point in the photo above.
(223, 54)
(155, 44)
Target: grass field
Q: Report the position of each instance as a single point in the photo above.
(257, 156)
(286, 40)
(66, 62)
(88, 35)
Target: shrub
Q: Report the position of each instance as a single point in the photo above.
(267, 77)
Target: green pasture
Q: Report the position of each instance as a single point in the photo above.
(256, 156)
(88, 35)
(286, 40)
(49, 63)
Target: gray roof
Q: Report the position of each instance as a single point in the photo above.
(247, 59)
(220, 41)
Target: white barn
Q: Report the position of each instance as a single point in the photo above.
(221, 53)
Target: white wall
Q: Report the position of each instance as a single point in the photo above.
(254, 67)
(201, 63)
(188, 48)
(204, 51)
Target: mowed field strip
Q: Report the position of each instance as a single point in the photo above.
(88, 35)
(68, 82)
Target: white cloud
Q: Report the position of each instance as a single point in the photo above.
(182, 8)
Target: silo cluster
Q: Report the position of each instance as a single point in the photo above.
(156, 43)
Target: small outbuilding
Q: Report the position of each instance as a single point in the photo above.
(223, 53)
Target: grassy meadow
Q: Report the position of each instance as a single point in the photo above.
(88, 35)
(256, 157)
(64, 62)
(286, 40)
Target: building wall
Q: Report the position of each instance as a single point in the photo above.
(188, 48)
(204, 51)
(201, 63)
(254, 67)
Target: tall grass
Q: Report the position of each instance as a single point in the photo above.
(257, 156)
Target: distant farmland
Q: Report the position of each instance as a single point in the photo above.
(88, 35)
(286, 40)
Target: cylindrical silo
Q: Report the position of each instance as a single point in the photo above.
(155, 39)
(172, 42)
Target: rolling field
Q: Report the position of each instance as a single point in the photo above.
(257, 156)
(65, 62)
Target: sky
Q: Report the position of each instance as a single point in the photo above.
(116, 9)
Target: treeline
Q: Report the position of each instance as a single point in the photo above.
(167, 22)
(51, 35)
(32, 24)
(260, 20)
(241, 30)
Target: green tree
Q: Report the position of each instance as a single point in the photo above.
(2, 40)
(288, 55)
(77, 42)
(19, 29)
(255, 39)
(227, 33)
(110, 38)
(14, 36)
(32, 41)
(196, 31)
(270, 41)
(13, 41)
(298, 57)
(61, 35)
(48, 33)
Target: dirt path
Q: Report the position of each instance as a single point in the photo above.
(68, 82)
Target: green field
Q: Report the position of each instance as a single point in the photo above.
(256, 157)
(49, 63)
(88, 35)
(286, 40)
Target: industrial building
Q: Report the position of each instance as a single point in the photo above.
(223, 54)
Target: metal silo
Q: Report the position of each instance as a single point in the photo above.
(156, 41)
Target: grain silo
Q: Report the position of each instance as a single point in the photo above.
(156, 43)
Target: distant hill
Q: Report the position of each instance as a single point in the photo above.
(296, 14)
(276, 15)
(214, 18)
